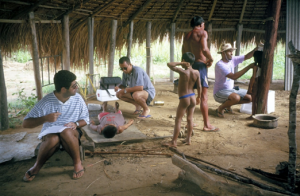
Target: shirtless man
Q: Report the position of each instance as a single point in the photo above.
(188, 78)
(196, 42)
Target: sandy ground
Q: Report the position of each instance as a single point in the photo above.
(238, 145)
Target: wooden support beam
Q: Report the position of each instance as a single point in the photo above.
(66, 42)
(24, 21)
(4, 120)
(91, 51)
(129, 39)
(137, 12)
(209, 32)
(238, 43)
(268, 56)
(95, 12)
(114, 25)
(172, 49)
(70, 10)
(148, 48)
(293, 122)
(26, 11)
(177, 10)
(212, 10)
(35, 57)
(243, 11)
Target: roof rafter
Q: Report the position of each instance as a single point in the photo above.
(212, 10)
(26, 11)
(70, 10)
(96, 11)
(177, 10)
(243, 11)
(137, 12)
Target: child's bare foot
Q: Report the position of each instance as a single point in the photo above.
(186, 141)
(116, 107)
(169, 144)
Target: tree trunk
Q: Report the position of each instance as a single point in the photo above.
(268, 56)
(3, 99)
(292, 123)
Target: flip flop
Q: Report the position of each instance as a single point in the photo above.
(142, 116)
(216, 129)
(219, 114)
(30, 176)
(74, 172)
(137, 111)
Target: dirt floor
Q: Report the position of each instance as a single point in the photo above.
(238, 145)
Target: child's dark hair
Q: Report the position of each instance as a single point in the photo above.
(189, 57)
(109, 131)
(63, 78)
(196, 20)
(258, 57)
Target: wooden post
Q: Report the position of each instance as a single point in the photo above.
(238, 43)
(172, 48)
(3, 99)
(129, 39)
(209, 32)
(35, 58)
(148, 49)
(91, 50)
(293, 123)
(114, 24)
(66, 42)
(268, 56)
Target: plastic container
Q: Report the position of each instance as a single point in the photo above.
(247, 107)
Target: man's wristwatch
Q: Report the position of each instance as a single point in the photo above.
(125, 90)
(77, 124)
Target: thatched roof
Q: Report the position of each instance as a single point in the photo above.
(221, 13)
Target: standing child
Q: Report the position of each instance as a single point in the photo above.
(110, 123)
(253, 84)
(188, 77)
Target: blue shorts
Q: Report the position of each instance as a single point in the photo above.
(222, 95)
(201, 67)
(188, 95)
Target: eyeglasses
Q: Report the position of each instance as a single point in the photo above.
(74, 86)
(123, 68)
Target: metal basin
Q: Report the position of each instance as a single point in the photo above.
(265, 121)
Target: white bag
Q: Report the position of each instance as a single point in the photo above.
(102, 95)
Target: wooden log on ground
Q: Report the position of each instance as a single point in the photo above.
(292, 123)
(131, 152)
(3, 99)
(207, 183)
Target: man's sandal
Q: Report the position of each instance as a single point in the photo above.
(219, 113)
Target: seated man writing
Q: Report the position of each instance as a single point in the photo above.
(63, 112)
(224, 91)
(188, 77)
(110, 123)
(136, 87)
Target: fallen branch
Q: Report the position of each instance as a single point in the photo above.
(142, 153)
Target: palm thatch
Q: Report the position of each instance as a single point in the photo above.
(226, 14)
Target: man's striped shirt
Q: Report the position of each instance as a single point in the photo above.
(74, 109)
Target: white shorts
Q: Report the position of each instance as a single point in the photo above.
(222, 95)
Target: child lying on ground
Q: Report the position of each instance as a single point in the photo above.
(188, 77)
(253, 84)
(110, 123)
